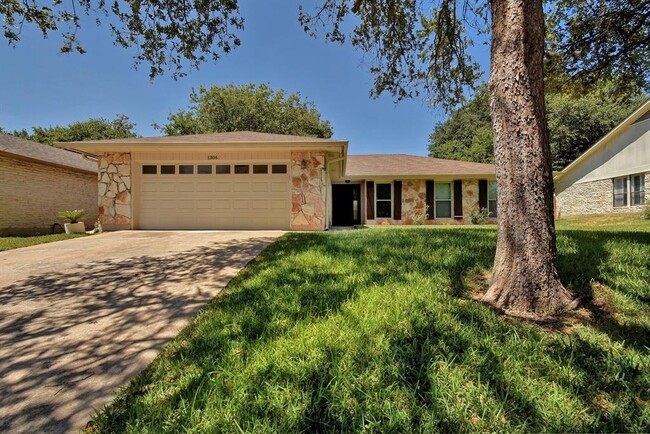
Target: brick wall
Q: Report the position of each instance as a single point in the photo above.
(595, 197)
(31, 195)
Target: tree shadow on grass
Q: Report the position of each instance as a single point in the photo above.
(585, 258)
(69, 339)
(287, 287)
(594, 262)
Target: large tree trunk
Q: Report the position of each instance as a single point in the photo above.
(525, 274)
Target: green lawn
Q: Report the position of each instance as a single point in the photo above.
(375, 330)
(609, 223)
(8, 243)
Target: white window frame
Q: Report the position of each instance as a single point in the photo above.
(628, 190)
(392, 195)
(494, 199)
(450, 200)
(642, 176)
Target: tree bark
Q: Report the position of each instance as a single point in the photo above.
(525, 277)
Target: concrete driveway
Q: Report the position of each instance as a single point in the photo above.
(79, 318)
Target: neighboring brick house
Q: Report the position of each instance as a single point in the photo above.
(611, 177)
(37, 181)
(249, 180)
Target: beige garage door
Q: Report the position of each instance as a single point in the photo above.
(213, 196)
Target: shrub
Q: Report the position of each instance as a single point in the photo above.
(74, 216)
(646, 211)
(479, 216)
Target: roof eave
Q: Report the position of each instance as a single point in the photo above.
(45, 162)
(96, 147)
(606, 139)
(424, 176)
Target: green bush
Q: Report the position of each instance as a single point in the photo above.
(479, 216)
(74, 216)
(646, 211)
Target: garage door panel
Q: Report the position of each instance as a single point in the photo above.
(199, 201)
(241, 204)
(204, 186)
(182, 205)
(260, 186)
(222, 186)
(149, 187)
(241, 186)
(222, 204)
(280, 186)
(167, 186)
(186, 187)
(279, 204)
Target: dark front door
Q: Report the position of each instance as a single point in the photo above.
(346, 204)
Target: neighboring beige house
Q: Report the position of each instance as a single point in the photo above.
(37, 181)
(611, 177)
(248, 180)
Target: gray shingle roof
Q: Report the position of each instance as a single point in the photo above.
(27, 149)
(405, 165)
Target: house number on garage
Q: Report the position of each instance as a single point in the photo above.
(213, 157)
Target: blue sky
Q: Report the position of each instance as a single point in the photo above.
(41, 87)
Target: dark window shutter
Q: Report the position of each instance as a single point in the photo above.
(430, 187)
(458, 199)
(482, 193)
(370, 200)
(397, 200)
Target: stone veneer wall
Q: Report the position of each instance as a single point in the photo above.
(594, 197)
(115, 190)
(470, 198)
(308, 191)
(414, 198)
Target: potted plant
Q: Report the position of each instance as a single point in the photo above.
(75, 226)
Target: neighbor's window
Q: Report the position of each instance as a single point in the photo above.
(149, 169)
(384, 193)
(204, 169)
(443, 199)
(637, 190)
(278, 168)
(168, 169)
(492, 198)
(242, 168)
(186, 169)
(222, 169)
(260, 168)
(620, 191)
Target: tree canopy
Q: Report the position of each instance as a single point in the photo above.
(575, 122)
(167, 35)
(248, 107)
(92, 129)
(416, 47)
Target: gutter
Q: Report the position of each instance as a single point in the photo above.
(86, 155)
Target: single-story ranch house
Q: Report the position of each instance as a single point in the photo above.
(611, 177)
(249, 180)
(38, 181)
